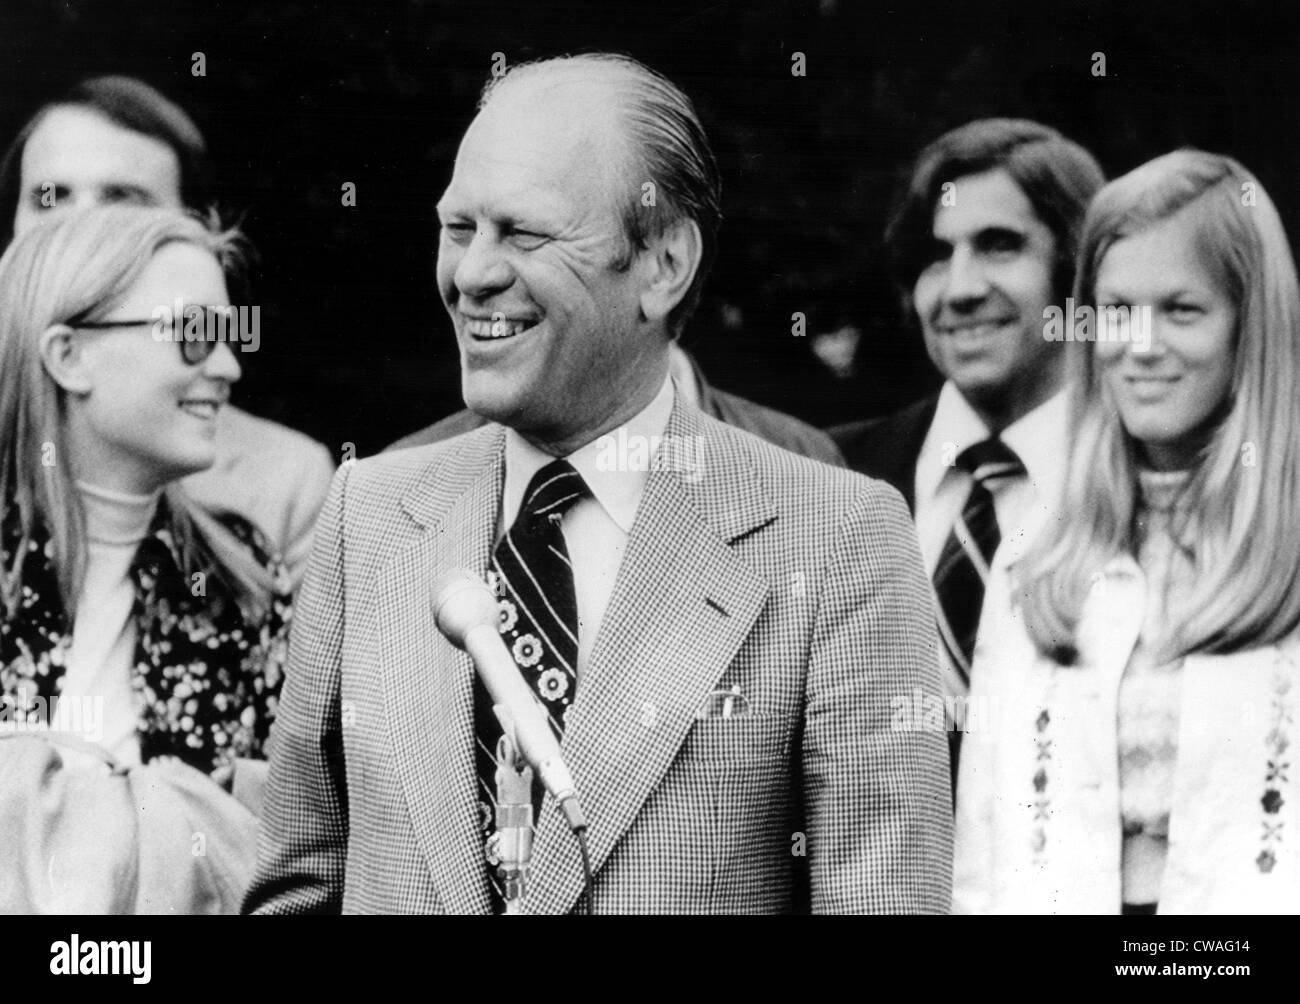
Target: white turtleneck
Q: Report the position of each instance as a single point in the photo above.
(100, 659)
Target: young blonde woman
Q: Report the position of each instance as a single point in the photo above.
(141, 639)
(1138, 670)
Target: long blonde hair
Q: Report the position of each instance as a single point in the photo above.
(79, 266)
(1245, 488)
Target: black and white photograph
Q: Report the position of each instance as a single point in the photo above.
(609, 458)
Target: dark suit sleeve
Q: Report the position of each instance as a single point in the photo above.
(303, 840)
(818, 445)
(877, 796)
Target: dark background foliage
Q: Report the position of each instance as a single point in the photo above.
(299, 98)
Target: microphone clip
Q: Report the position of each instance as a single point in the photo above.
(514, 821)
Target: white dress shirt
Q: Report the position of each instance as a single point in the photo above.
(596, 527)
(1038, 438)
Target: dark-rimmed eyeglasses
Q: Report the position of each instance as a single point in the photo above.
(193, 351)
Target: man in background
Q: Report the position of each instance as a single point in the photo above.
(981, 245)
(117, 140)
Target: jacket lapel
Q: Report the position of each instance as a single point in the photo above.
(913, 428)
(428, 682)
(683, 604)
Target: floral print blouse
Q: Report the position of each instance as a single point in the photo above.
(206, 677)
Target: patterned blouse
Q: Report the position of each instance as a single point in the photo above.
(1150, 691)
(206, 677)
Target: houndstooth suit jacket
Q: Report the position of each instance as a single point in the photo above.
(799, 582)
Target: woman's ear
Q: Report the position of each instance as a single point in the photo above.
(675, 257)
(64, 358)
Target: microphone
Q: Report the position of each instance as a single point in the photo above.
(466, 613)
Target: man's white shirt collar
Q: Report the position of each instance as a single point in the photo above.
(617, 491)
(682, 374)
(1037, 437)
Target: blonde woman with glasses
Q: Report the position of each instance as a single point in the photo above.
(1139, 661)
(141, 639)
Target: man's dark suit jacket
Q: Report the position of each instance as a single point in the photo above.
(776, 427)
(887, 448)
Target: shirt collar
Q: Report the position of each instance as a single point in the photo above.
(617, 489)
(683, 374)
(1037, 437)
(1039, 440)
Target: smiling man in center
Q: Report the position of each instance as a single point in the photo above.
(629, 599)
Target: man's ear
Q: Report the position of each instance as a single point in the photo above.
(64, 358)
(674, 257)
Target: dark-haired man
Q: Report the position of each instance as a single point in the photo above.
(981, 244)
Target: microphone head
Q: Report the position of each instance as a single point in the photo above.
(462, 601)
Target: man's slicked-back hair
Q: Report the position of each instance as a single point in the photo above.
(665, 146)
(130, 104)
(1058, 176)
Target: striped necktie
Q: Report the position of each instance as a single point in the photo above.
(533, 582)
(963, 568)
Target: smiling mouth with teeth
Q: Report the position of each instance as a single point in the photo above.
(201, 409)
(496, 328)
(983, 328)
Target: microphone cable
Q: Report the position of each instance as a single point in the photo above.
(581, 834)
(586, 866)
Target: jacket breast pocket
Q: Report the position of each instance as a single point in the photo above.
(734, 779)
(742, 739)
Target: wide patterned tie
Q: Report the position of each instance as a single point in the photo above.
(533, 581)
(963, 568)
